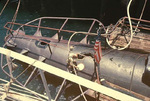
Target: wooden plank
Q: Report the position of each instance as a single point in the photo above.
(71, 77)
(140, 41)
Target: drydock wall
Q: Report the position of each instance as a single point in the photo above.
(108, 11)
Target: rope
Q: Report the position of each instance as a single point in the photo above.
(131, 27)
(4, 7)
(80, 86)
(86, 33)
(74, 66)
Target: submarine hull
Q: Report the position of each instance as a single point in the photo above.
(122, 68)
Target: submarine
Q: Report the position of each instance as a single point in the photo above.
(125, 71)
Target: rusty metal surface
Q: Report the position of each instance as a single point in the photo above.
(120, 36)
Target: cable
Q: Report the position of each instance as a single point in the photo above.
(4, 7)
(80, 86)
(86, 33)
(141, 15)
(131, 27)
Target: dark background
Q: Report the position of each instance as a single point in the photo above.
(107, 11)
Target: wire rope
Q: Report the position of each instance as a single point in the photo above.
(131, 27)
(4, 7)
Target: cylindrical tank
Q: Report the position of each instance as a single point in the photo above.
(122, 68)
